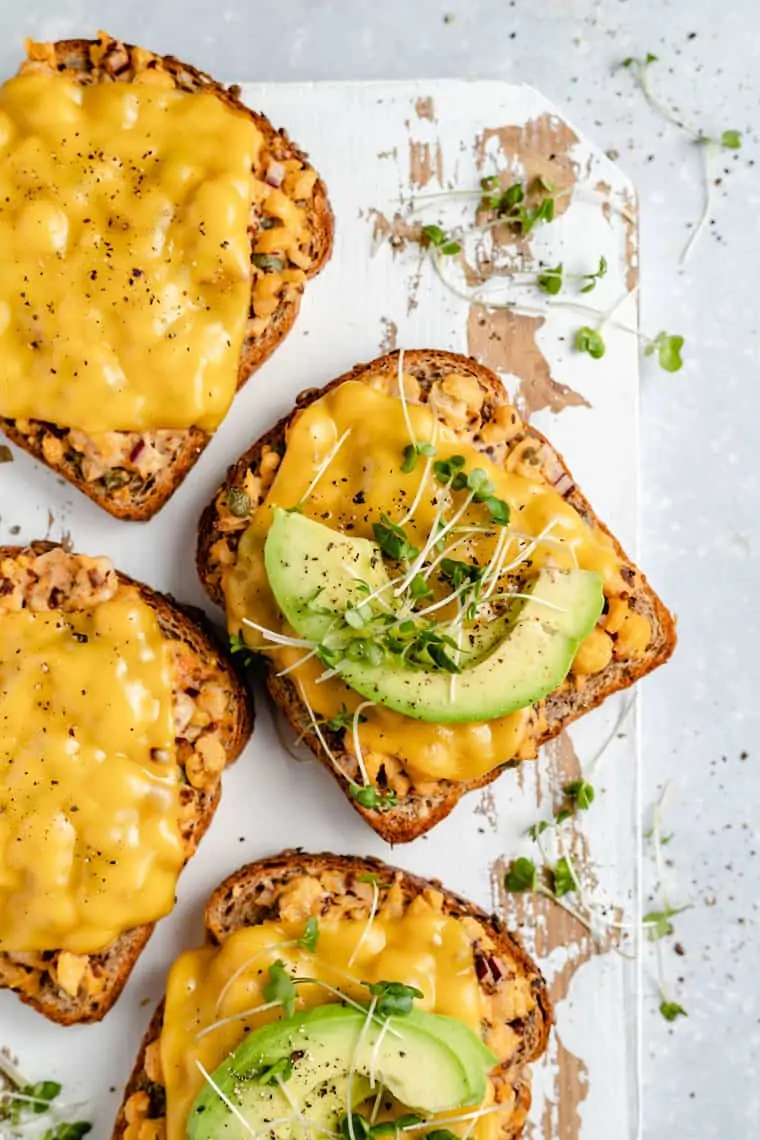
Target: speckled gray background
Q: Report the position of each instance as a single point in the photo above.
(701, 495)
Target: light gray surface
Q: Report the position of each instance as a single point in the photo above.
(701, 496)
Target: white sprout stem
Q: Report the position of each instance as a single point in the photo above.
(458, 639)
(402, 398)
(440, 557)
(352, 1066)
(704, 217)
(662, 108)
(464, 1118)
(11, 1072)
(324, 465)
(620, 721)
(477, 298)
(367, 928)
(435, 537)
(493, 570)
(659, 858)
(236, 1017)
(527, 597)
(375, 1054)
(226, 1101)
(358, 744)
(297, 664)
(379, 1097)
(320, 734)
(279, 638)
(241, 969)
(293, 1106)
(423, 480)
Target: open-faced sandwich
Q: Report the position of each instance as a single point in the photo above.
(157, 235)
(338, 996)
(118, 717)
(432, 594)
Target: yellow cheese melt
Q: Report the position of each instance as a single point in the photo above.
(422, 948)
(364, 480)
(89, 836)
(125, 278)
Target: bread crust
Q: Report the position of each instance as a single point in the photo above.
(249, 897)
(416, 814)
(128, 502)
(33, 976)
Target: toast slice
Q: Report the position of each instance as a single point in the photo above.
(490, 424)
(253, 895)
(132, 474)
(70, 988)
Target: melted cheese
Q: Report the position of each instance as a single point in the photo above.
(89, 836)
(364, 480)
(422, 948)
(125, 278)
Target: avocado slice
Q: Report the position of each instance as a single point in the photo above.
(314, 574)
(421, 1059)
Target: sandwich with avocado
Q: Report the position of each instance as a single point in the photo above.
(339, 996)
(157, 236)
(119, 715)
(431, 594)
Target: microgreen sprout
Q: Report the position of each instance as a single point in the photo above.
(668, 349)
(374, 799)
(726, 140)
(510, 205)
(436, 237)
(658, 922)
(394, 999)
(412, 452)
(280, 987)
(310, 936)
(238, 645)
(581, 793)
(551, 281)
(21, 1101)
(392, 540)
(591, 341)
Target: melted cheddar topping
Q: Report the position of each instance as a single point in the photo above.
(364, 480)
(423, 948)
(89, 837)
(125, 279)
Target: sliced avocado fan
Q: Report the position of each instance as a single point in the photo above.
(317, 575)
(296, 1073)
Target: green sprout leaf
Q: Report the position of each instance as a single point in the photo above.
(358, 1127)
(280, 988)
(562, 815)
(537, 829)
(550, 280)
(581, 793)
(498, 510)
(563, 879)
(394, 999)
(419, 589)
(281, 1070)
(668, 349)
(591, 341)
(658, 924)
(592, 278)
(238, 645)
(732, 140)
(490, 182)
(450, 248)
(69, 1131)
(521, 876)
(344, 718)
(372, 798)
(434, 235)
(392, 540)
(310, 936)
(369, 877)
(670, 1010)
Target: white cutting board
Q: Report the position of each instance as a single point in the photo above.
(375, 144)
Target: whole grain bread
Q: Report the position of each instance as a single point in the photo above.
(252, 896)
(198, 663)
(123, 492)
(419, 810)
